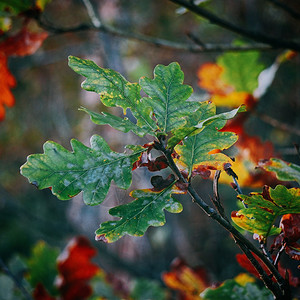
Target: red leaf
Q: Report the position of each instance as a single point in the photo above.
(293, 281)
(40, 293)
(76, 269)
(7, 82)
(290, 225)
(23, 43)
(244, 262)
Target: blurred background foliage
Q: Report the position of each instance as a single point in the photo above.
(48, 96)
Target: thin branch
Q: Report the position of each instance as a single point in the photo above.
(48, 26)
(278, 124)
(286, 8)
(17, 282)
(278, 290)
(92, 13)
(254, 35)
(216, 197)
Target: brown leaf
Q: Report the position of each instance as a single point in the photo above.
(159, 183)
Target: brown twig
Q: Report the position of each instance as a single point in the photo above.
(254, 35)
(286, 8)
(278, 124)
(216, 197)
(158, 42)
(279, 289)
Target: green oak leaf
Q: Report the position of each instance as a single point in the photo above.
(195, 151)
(232, 290)
(205, 115)
(205, 110)
(167, 97)
(241, 70)
(136, 216)
(114, 90)
(284, 170)
(90, 170)
(264, 208)
(121, 124)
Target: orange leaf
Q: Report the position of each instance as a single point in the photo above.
(76, 269)
(250, 151)
(189, 282)
(209, 75)
(222, 94)
(20, 44)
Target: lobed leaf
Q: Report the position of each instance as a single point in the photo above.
(114, 91)
(202, 150)
(121, 124)
(147, 210)
(264, 208)
(167, 97)
(284, 171)
(205, 115)
(90, 170)
(205, 110)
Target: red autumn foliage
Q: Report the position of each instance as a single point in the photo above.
(76, 269)
(7, 83)
(153, 165)
(187, 281)
(245, 263)
(290, 225)
(21, 44)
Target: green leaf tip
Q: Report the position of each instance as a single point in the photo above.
(167, 96)
(90, 170)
